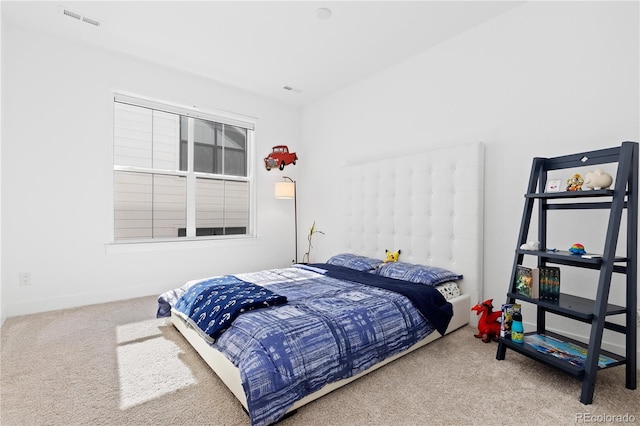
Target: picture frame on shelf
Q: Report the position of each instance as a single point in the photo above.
(553, 185)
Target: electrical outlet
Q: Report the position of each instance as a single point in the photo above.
(24, 278)
(638, 318)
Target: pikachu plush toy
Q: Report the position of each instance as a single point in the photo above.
(392, 256)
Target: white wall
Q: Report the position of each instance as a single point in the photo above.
(545, 79)
(57, 177)
(2, 316)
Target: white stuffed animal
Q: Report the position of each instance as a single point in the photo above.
(531, 245)
(597, 179)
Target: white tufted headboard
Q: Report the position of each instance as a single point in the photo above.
(429, 205)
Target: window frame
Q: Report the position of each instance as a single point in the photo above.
(219, 116)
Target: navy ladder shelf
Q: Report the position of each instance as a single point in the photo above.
(623, 196)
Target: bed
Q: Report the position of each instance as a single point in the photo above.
(307, 330)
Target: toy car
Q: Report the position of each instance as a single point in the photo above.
(280, 157)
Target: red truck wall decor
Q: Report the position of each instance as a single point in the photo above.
(280, 157)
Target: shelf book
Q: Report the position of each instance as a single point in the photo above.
(506, 319)
(549, 283)
(528, 281)
(566, 351)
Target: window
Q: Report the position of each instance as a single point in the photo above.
(178, 172)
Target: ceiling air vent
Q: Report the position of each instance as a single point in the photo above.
(67, 12)
(79, 16)
(90, 21)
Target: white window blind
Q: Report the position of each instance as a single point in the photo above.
(179, 175)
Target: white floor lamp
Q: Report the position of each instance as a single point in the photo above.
(287, 190)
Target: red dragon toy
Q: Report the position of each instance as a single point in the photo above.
(488, 325)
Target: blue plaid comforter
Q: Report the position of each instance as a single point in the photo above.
(329, 330)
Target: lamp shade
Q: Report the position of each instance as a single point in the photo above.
(285, 190)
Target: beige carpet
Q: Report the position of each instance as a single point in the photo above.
(115, 364)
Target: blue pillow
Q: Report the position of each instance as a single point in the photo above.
(354, 261)
(421, 274)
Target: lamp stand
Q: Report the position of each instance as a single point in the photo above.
(295, 215)
(284, 190)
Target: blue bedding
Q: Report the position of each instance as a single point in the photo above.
(332, 327)
(430, 302)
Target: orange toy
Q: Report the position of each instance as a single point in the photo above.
(488, 325)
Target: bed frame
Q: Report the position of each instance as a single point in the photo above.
(429, 205)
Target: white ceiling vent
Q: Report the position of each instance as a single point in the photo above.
(75, 15)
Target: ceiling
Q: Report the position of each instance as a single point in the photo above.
(262, 46)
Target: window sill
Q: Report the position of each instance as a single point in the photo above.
(179, 244)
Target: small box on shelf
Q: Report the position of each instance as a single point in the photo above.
(507, 319)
